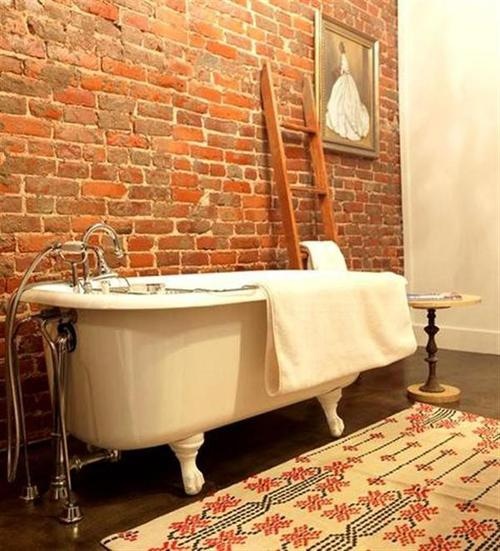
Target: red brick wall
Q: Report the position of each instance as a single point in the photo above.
(147, 114)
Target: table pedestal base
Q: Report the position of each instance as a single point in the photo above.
(432, 391)
(449, 394)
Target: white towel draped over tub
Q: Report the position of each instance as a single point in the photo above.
(324, 255)
(324, 325)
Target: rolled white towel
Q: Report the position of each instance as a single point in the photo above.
(324, 255)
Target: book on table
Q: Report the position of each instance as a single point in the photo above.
(448, 295)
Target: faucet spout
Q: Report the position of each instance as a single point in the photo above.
(103, 270)
(106, 228)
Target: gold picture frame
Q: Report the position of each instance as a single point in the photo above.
(346, 82)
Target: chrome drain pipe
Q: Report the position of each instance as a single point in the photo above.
(77, 463)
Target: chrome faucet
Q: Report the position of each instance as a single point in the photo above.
(103, 269)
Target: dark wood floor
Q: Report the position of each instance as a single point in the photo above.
(146, 483)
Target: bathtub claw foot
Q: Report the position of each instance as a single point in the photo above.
(186, 451)
(193, 482)
(329, 403)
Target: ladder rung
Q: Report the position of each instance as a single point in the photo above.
(308, 189)
(299, 127)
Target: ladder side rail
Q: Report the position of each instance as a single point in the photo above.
(278, 158)
(318, 163)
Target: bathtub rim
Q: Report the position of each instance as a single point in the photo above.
(62, 295)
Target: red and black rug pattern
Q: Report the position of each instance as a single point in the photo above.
(425, 479)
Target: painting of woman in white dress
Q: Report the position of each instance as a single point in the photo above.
(347, 88)
(345, 113)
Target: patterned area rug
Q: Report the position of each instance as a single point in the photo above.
(425, 479)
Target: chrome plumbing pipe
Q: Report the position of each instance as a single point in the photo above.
(71, 512)
(16, 423)
(57, 489)
(30, 491)
(75, 253)
(61, 487)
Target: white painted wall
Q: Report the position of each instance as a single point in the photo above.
(449, 58)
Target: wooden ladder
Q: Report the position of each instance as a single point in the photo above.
(320, 188)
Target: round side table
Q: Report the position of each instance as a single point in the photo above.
(432, 391)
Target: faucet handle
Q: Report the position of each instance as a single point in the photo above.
(102, 265)
(119, 252)
(74, 253)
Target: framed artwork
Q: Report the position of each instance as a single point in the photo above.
(346, 82)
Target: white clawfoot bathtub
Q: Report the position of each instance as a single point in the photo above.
(153, 369)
